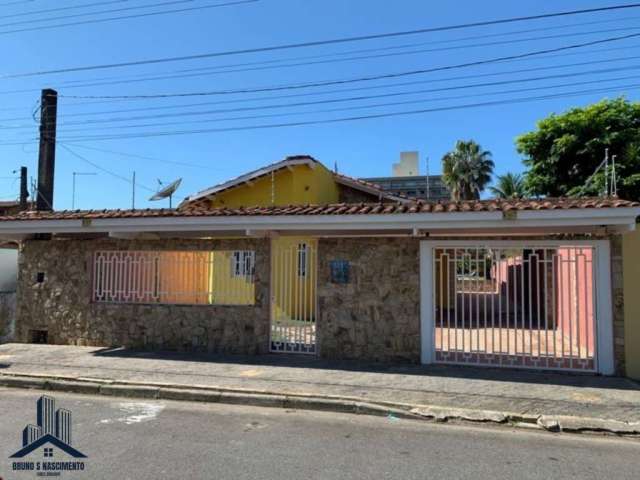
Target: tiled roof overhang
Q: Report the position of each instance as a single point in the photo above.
(550, 214)
(549, 204)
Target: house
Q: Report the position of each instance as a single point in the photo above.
(296, 180)
(294, 258)
(9, 206)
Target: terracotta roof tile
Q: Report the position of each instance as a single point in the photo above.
(418, 206)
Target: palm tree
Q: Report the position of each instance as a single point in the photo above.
(509, 185)
(467, 170)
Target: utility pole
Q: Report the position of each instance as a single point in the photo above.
(47, 152)
(24, 191)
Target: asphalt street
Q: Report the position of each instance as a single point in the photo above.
(150, 439)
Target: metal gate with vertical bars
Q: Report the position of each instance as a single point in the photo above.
(293, 295)
(516, 306)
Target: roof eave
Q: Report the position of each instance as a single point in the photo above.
(378, 192)
(622, 219)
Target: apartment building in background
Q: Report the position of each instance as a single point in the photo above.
(406, 180)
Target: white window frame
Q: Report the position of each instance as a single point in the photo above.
(605, 363)
(303, 260)
(243, 263)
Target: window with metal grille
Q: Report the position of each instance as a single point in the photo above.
(174, 277)
(243, 263)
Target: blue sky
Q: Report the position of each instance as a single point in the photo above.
(362, 148)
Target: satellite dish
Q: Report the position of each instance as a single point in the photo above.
(167, 191)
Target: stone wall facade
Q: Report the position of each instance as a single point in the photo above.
(373, 317)
(376, 315)
(61, 303)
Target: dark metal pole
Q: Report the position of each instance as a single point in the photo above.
(47, 153)
(24, 191)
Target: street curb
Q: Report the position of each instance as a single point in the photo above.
(328, 403)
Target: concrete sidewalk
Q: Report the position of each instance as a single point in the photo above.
(552, 401)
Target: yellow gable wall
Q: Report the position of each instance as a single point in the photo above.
(296, 186)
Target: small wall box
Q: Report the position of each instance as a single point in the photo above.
(339, 271)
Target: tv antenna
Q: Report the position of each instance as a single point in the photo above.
(166, 191)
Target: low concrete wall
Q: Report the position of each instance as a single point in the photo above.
(62, 306)
(376, 315)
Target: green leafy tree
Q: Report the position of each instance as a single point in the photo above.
(565, 150)
(467, 170)
(509, 185)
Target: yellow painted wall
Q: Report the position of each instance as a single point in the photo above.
(631, 269)
(294, 296)
(225, 287)
(298, 186)
(189, 277)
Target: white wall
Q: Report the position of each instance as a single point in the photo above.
(8, 269)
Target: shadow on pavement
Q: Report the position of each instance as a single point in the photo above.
(443, 371)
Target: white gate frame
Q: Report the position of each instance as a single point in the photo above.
(604, 310)
(313, 271)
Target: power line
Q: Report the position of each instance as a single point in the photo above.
(362, 79)
(346, 119)
(324, 42)
(143, 157)
(126, 17)
(529, 59)
(75, 83)
(171, 76)
(334, 120)
(276, 63)
(354, 89)
(206, 71)
(17, 2)
(51, 10)
(86, 14)
(348, 99)
(102, 169)
(351, 108)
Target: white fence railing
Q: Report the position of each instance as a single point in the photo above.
(174, 277)
(293, 302)
(531, 307)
